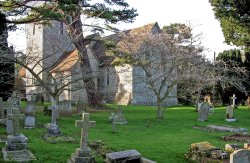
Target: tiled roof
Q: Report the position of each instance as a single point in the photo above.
(67, 61)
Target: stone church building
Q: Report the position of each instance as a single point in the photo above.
(116, 84)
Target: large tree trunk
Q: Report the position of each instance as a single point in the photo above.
(76, 34)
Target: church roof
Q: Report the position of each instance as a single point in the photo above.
(66, 61)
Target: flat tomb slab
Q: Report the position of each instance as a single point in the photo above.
(19, 155)
(238, 138)
(122, 156)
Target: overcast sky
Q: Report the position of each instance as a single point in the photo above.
(198, 13)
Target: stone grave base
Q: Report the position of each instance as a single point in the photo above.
(237, 137)
(19, 155)
(221, 128)
(57, 138)
(230, 120)
(75, 159)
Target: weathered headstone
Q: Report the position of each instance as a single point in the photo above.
(240, 156)
(16, 145)
(203, 112)
(65, 107)
(118, 117)
(9, 122)
(53, 128)
(30, 114)
(83, 154)
(80, 107)
(234, 98)
(230, 114)
(123, 156)
(15, 101)
(113, 122)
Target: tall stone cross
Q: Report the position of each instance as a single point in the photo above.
(84, 124)
(16, 117)
(234, 98)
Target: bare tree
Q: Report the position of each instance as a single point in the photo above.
(167, 60)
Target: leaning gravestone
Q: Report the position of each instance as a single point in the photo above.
(16, 145)
(203, 111)
(83, 154)
(230, 114)
(30, 114)
(240, 156)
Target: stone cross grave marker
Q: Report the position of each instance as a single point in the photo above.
(15, 101)
(16, 117)
(234, 98)
(84, 124)
(240, 156)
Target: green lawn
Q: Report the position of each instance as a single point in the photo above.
(164, 141)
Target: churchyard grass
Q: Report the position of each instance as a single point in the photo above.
(164, 141)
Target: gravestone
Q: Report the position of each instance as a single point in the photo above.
(128, 156)
(80, 106)
(83, 154)
(203, 111)
(53, 128)
(30, 114)
(123, 156)
(15, 100)
(16, 145)
(65, 107)
(233, 102)
(9, 122)
(113, 122)
(240, 156)
(230, 114)
(118, 117)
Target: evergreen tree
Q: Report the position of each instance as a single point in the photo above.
(6, 68)
(234, 17)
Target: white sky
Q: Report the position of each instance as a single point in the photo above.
(198, 13)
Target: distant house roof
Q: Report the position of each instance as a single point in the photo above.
(68, 59)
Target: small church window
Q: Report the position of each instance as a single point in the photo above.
(34, 29)
(33, 80)
(61, 28)
(107, 76)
